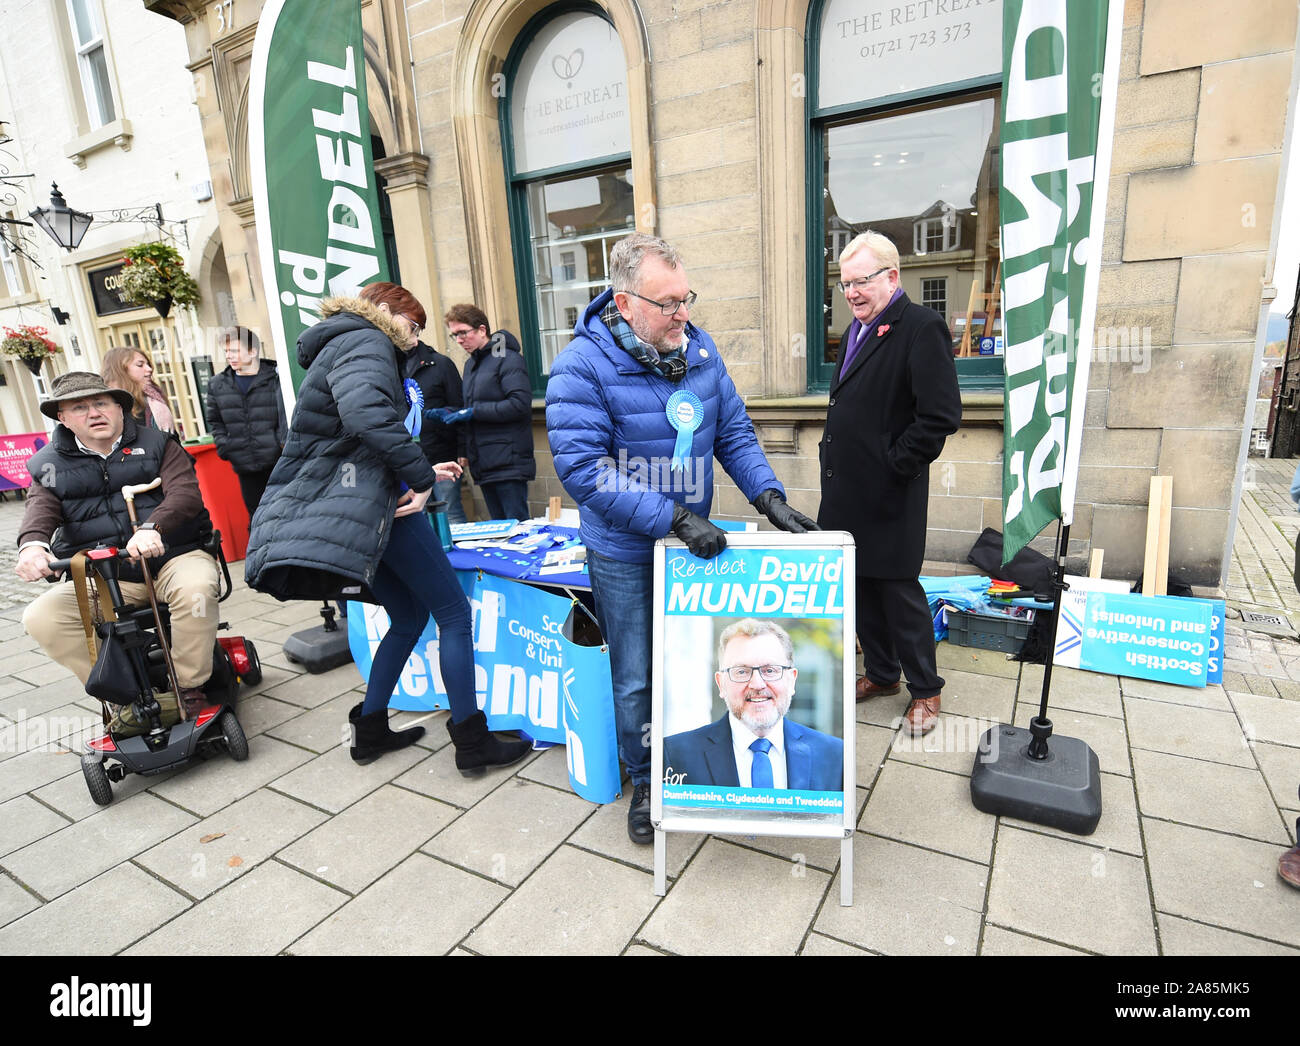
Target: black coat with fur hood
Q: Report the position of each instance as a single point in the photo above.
(325, 518)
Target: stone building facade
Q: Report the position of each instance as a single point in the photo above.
(94, 97)
(734, 131)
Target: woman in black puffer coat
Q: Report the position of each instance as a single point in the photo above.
(345, 507)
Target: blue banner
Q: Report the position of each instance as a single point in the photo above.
(528, 676)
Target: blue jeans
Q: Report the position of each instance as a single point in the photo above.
(507, 499)
(624, 593)
(448, 490)
(413, 580)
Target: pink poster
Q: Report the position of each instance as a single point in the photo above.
(14, 452)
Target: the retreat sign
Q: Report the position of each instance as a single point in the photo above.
(527, 675)
(904, 46)
(752, 727)
(568, 101)
(314, 189)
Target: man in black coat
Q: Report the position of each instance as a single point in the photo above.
(893, 401)
(439, 382)
(498, 412)
(246, 413)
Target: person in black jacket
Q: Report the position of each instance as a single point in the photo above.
(498, 411)
(439, 382)
(246, 412)
(345, 508)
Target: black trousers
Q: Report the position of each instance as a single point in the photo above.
(251, 486)
(897, 634)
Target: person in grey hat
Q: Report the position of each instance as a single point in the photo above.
(75, 502)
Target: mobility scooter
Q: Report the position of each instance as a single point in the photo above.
(143, 738)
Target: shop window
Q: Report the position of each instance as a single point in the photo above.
(565, 124)
(914, 156)
(86, 21)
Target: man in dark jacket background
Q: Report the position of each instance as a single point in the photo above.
(246, 412)
(498, 412)
(894, 400)
(75, 502)
(439, 382)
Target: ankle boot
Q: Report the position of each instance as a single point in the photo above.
(477, 748)
(371, 737)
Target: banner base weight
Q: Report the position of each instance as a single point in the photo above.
(1062, 791)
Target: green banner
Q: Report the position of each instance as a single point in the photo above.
(314, 191)
(1052, 65)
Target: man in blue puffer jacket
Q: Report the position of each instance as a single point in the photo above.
(638, 386)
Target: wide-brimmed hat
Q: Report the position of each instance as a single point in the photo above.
(80, 385)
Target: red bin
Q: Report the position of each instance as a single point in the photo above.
(225, 504)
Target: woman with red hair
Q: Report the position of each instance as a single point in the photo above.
(345, 508)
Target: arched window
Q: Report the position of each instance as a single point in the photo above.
(566, 138)
(903, 124)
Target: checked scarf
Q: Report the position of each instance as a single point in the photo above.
(671, 365)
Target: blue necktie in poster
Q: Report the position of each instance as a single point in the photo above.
(527, 675)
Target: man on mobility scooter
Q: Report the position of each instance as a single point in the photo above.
(75, 503)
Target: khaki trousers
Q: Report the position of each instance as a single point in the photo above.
(188, 584)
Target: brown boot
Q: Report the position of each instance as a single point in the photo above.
(922, 716)
(866, 689)
(194, 699)
(1288, 866)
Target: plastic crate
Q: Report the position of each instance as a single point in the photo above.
(988, 631)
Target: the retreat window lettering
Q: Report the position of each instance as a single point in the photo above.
(568, 137)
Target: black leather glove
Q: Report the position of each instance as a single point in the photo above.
(783, 517)
(702, 538)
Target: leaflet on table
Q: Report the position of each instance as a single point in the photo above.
(527, 675)
(484, 529)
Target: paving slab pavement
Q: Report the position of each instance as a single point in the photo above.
(299, 851)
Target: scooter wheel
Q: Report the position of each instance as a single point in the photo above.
(92, 769)
(254, 674)
(233, 734)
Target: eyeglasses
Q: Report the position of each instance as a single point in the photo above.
(744, 673)
(100, 405)
(416, 329)
(861, 282)
(669, 308)
(464, 332)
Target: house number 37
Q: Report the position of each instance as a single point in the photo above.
(225, 15)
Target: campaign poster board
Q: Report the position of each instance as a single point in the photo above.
(1164, 638)
(802, 585)
(528, 675)
(15, 452)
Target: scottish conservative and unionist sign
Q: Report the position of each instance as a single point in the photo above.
(1145, 637)
(752, 727)
(527, 675)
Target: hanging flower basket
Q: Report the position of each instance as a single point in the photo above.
(153, 274)
(30, 345)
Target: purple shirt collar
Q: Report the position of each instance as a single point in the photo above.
(864, 330)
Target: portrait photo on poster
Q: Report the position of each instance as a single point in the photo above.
(750, 722)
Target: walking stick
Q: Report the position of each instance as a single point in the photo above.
(128, 495)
